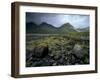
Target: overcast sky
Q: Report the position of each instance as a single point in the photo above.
(58, 19)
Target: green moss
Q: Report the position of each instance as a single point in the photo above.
(59, 43)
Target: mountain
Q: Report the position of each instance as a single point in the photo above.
(45, 28)
(86, 29)
(67, 27)
(31, 27)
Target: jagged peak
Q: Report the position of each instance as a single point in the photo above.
(46, 24)
(32, 23)
(66, 25)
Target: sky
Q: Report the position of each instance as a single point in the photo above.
(55, 19)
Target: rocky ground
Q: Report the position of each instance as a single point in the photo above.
(44, 56)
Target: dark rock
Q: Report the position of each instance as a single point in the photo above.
(28, 54)
(40, 51)
(54, 64)
(73, 59)
(61, 61)
(39, 63)
(36, 64)
(51, 55)
(35, 59)
(63, 56)
(77, 51)
(51, 61)
(56, 57)
(66, 58)
(28, 63)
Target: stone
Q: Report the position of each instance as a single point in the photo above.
(77, 51)
(54, 64)
(66, 58)
(73, 60)
(28, 54)
(56, 57)
(51, 55)
(61, 61)
(40, 52)
(51, 61)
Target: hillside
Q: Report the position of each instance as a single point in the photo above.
(46, 28)
(47, 45)
(86, 29)
(65, 28)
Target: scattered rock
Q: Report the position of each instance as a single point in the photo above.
(28, 54)
(73, 59)
(56, 57)
(41, 56)
(40, 52)
(77, 51)
(54, 64)
(61, 61)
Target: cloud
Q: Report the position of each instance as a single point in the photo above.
(58, 19)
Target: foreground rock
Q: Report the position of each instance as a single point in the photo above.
(77, 51)
(42, 56)
(40, 52)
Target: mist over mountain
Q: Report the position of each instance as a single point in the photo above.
(86, 29)
(45, 28)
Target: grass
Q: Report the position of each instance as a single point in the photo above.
(60, 43)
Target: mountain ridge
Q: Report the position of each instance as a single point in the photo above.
(45, 28)
(85, 29)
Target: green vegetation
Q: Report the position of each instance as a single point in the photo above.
(45, 28)
(50, 46)
(59, 39)
(62, 44)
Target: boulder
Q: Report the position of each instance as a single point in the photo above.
(40, 52)
(28, 54)
(77, 51)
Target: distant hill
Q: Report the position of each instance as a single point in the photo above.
(45, 28)
(86, 29)
(67, 27)
(31, 27)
